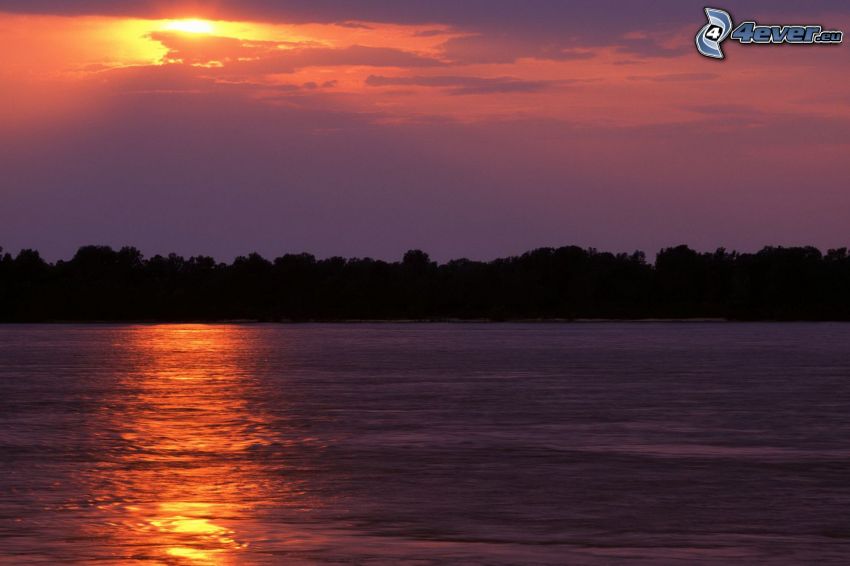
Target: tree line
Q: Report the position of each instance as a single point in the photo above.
(102, 284)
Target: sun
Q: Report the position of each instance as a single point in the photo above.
(190, 26)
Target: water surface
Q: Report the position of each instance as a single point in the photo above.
(425, 444)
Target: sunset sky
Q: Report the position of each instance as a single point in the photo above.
(475, 128)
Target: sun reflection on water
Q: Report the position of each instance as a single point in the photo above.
(186, 485)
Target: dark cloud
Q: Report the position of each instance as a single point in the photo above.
(353, 25)
(675, 77)
(165, 81)
(651, 47)
(431, 32)
(507, 48)
(459, 85)
(720, 108)
(289, 60)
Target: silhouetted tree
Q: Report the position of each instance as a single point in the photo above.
(99, 283)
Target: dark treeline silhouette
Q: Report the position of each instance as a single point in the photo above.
(101, 284)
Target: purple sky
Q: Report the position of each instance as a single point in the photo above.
(475, 128)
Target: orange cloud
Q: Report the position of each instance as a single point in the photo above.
(399, 72)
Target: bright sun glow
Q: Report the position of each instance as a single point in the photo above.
(190, 26)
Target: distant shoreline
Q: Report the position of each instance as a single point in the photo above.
(546, 285)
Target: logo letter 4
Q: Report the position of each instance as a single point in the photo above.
(717, 29)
